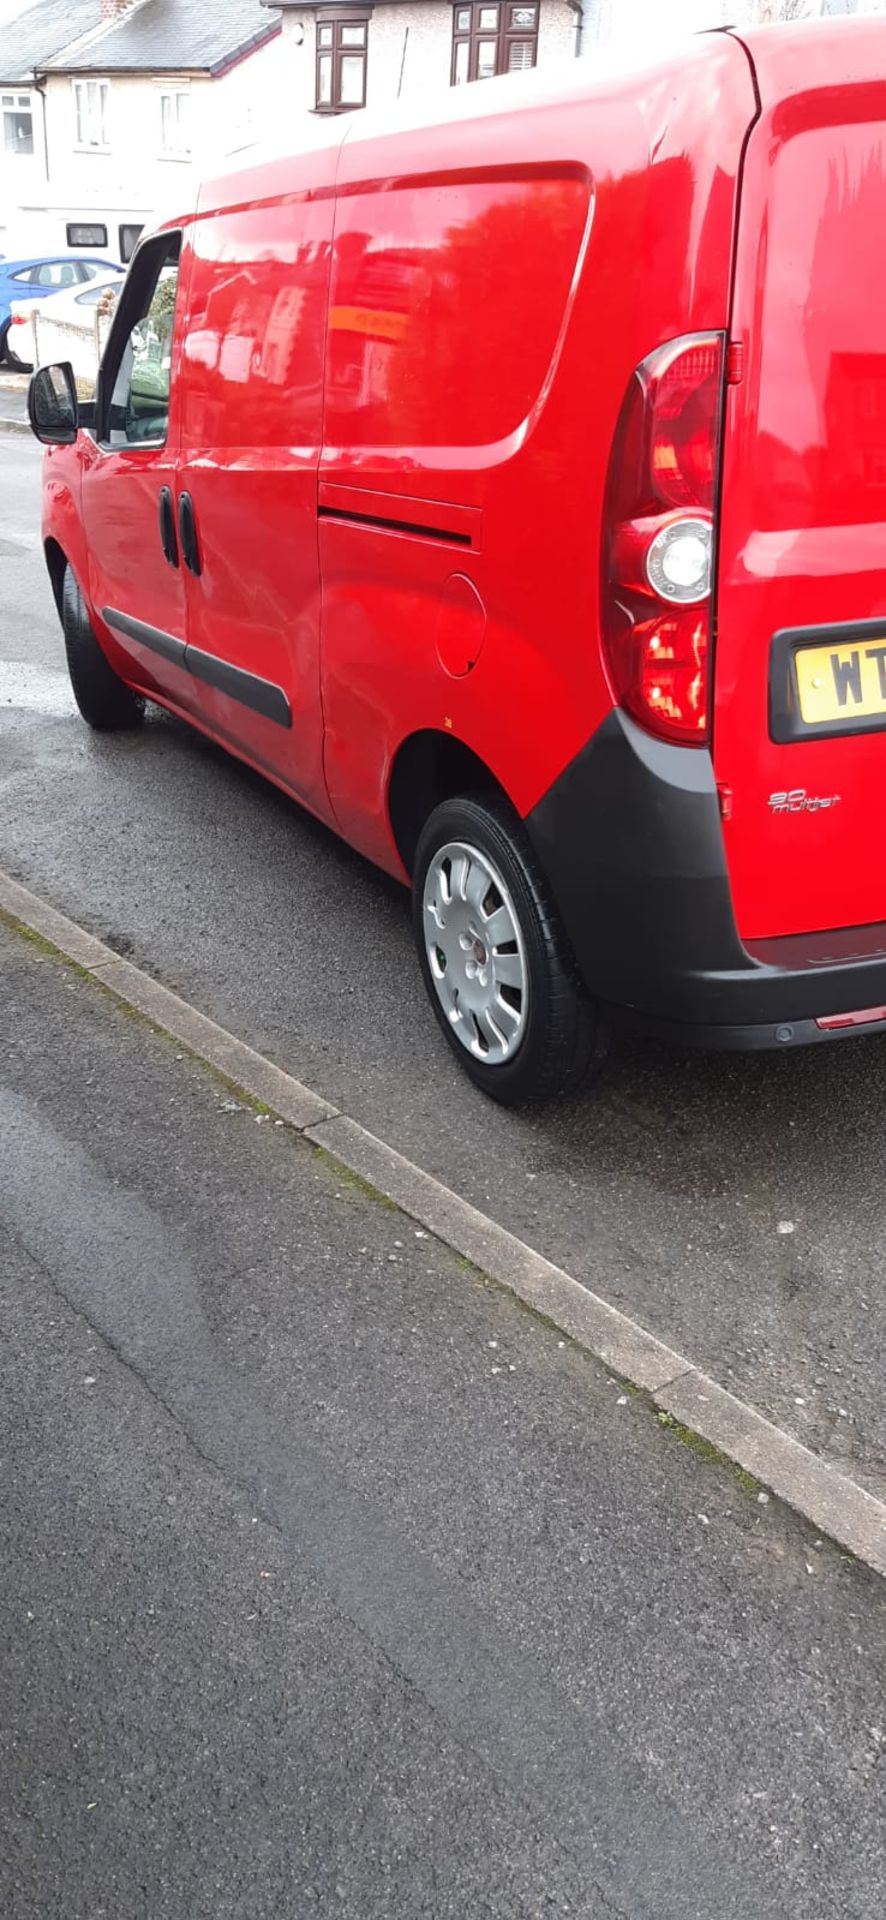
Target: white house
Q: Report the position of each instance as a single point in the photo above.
(343, 56)
(112, 109)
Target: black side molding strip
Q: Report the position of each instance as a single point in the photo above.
(262, 696)
(395, 526)
(159, 642)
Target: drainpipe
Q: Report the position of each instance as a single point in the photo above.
(579, 11)
(42, 92)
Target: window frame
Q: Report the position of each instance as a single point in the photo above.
(17, 106)
(140, 285)
(505, 36)
(339, 19)
(175, 94)
(83, 115)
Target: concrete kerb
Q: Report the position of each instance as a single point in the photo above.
(832, 1503)
(14, 426)
(836, 1505)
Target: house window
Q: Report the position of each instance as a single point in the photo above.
(342, 37)
(18, 123)
(492, 39)
(128, 235)
(91, 108)
(78, 235)
(175, 123)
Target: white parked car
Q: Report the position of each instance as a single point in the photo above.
(66, 326)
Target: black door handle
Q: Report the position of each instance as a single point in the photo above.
(187, 532)
(167, 527)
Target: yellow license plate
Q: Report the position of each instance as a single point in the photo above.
(842, 683)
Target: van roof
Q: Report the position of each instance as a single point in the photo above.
(808, 55)
(270, 169)
(788, 60)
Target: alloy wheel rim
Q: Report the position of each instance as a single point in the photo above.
(476, 953)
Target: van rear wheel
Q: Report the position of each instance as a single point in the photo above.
(494, 959)
(103, 698)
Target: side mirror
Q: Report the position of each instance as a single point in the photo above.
(52, 405)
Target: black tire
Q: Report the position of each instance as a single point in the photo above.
(104, 700)
(12, 360)
(563, 1036)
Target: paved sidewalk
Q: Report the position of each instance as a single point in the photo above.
(334, 1583)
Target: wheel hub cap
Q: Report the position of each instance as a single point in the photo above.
(475, 952)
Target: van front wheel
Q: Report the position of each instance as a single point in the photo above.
(494, 959)
(103, 698)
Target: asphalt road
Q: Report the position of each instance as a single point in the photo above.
(332, 1583)
(732, 1205)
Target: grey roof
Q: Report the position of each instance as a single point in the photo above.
(171, 36)
(29, 41)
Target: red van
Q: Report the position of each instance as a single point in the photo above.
(511, 490)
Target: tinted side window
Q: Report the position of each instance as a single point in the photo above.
(139, 357)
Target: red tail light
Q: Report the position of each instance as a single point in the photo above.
(659, 539)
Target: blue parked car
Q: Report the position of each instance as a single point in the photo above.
(32, 279)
